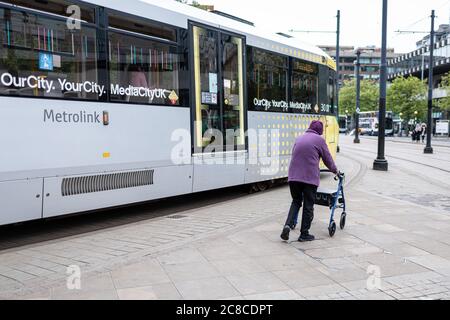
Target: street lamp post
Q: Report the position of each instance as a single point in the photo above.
(428, 148)
(346, 121)
(423, 58)
(358, 96)
(381, 164)
(338, 49)
(401, 125)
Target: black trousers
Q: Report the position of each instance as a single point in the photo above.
(302, 194)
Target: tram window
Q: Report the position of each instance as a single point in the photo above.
(304, 85)
(59, 7)
(219, 123)
(143, 27)
(233, 90)
(268, 81)
(331, 90)
(206, 67)
(209, 68)
(142, 70)
(41, 57)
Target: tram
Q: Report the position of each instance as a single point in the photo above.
(109, 103)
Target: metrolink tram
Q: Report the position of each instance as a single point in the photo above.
(108, 103)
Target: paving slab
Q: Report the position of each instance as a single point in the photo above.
(207, 289)
(304, 278)
(280, 295)
(321, 290)
(165, 291)
(137, 275)
(257, 283)
(190, 271)
(238, 267)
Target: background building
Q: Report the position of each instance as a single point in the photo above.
(370, 60)
(417, 64)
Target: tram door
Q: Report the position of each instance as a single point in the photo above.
(219, 113)
(218, 109)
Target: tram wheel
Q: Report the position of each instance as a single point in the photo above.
(343, 220)
(262, 186)
(252, 189)
(332, 229)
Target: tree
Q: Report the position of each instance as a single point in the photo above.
(407, 96)
(444, 103)
(369, 96)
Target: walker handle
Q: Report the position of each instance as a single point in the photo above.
(340, 176)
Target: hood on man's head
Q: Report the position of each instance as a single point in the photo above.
(317, 126)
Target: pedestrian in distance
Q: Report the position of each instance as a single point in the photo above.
(418, 132)
(424, 132)
(411, 133)
(304, 178)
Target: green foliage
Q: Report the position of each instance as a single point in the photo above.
(407, 96)
(369, 99)
(444, 103)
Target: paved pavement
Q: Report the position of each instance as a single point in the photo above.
(396, 244)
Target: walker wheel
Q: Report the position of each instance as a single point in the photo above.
(343, 220)
(332, 229)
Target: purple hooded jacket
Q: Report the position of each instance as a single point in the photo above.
(308, 150)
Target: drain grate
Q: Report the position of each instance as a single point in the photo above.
(177, 217)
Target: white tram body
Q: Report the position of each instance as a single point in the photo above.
(78, 143)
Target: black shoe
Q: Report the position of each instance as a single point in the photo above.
(285, 233)
(306, 238)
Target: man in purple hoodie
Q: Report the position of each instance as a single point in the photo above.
(304, 178)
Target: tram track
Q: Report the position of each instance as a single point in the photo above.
(362, 170)
(412, 153)
(444, 150)
(409, 142)
(434, 156)
(410, 172)
(403, 159)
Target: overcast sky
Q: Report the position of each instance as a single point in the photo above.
(360, 20)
